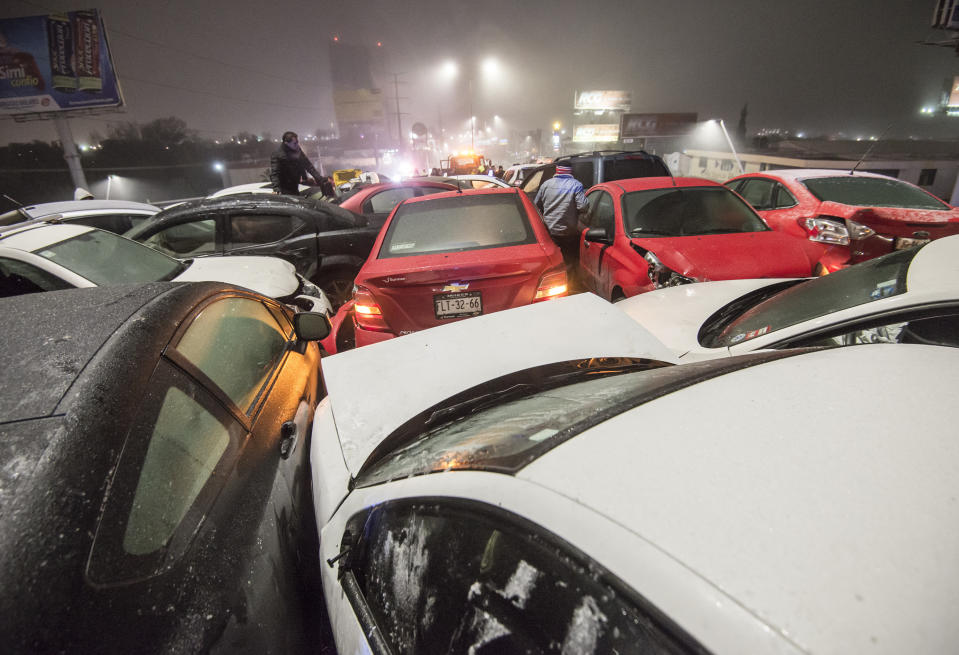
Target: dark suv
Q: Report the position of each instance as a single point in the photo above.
(592, 168)
(326, 243)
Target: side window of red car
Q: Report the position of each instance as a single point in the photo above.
(758, 192)
(604, 213)
(784, 199)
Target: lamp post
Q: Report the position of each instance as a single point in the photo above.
(489, 68)
(730, 142)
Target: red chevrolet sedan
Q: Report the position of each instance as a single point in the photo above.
(859, 216)
(449, 256)
(653, 232)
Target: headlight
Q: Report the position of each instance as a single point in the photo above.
(858, 230)
(663, 276)
(825, 230)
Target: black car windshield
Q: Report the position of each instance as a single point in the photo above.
(687, 211)
(872, 192)
(508, 423)
(456, 223)
(857, 285)
(105, 258)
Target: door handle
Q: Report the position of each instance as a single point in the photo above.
(287, 439)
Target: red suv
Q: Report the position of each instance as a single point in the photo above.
(859, 216)
(652, 232)
(449, 256)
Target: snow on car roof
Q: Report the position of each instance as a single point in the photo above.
(807, 173)
(69, 206)
(837, 528)
(466, 353)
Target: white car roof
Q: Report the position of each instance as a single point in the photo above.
(32, 237)
(86, 206)
(462, 354)
(808, 173)
(833, 522)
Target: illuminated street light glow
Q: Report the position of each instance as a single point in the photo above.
(218, 166)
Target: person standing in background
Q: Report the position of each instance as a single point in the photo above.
(289, 165)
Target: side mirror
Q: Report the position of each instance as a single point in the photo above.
(599, 235)
(311, 326)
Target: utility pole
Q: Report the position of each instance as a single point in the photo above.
(399, 115)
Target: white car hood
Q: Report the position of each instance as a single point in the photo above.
(674, 315)
(375, 389)
(270, 276)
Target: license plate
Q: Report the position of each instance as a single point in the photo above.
(457, 305)
(904, 242)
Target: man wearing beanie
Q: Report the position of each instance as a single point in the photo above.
(560, 199)
(288, 165)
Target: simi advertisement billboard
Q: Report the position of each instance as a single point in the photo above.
(57, 62)
(602, 101)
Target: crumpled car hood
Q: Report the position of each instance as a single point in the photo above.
(270, 276)
(735, 256)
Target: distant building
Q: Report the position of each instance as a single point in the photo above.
(932, 165)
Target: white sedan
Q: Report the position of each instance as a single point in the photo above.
(112, 215)
(909, 296)
(531, 493)
(46, 257)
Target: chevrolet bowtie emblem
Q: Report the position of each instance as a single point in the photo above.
(456, 286)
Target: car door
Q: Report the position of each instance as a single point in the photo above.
(200, 235)
(447, 576)
(251, 231)
(536, 178)
(201, 485)
(592, 254)
(774, 203)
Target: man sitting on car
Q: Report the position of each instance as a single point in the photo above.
(289, 165)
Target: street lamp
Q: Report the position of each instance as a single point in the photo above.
(730, 142)
(488, 67)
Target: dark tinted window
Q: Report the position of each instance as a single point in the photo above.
(454, 579)
(186, 239)
(872, 192)
(457, 223)
(857, 285)
(687, 211)
(784, 198)
(583, 170)
(254, 229)
(18, 278)
(116, 223)
(623, 168)
(384, 201)
(758, 193)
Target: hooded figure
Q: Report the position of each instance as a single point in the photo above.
(288, 166)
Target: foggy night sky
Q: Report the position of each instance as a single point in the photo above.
(817, 66)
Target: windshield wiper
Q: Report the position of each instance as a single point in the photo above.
(639, 232)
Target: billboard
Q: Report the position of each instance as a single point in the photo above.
(602, 101)
(954, 95)
(56, 62)
(600, 133)
(358, 105)
(645, 125)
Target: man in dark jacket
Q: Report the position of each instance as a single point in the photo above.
(288, 165)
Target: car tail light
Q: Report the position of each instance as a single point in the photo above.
(552, 285)
(858, 230)
(825, 230)
(368, 314)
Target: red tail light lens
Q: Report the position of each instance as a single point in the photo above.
(367, 312)
(552, 285)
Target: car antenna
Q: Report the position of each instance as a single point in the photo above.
(19, 204)
(869, 149)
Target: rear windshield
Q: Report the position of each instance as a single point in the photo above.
(687, 211)
(105, 258)
(872, 192)
(863, 283)
(453, 224)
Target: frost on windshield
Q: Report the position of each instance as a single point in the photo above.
(585, 628)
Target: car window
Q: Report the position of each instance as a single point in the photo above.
(481, 184)
(430, 190)
(466, 222)
(535, 180)
(872, 192)
(253, 229)
(784, 198)
(384, 201)
(186, 239)
(464, 578)
(603, 212)
(583, 170)
(176, 457)
(863, 283)
(18, 278)
(758, 192)
(687, 211)
(237, 343)
(105, 258)
(116, 223)
(624, 168)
